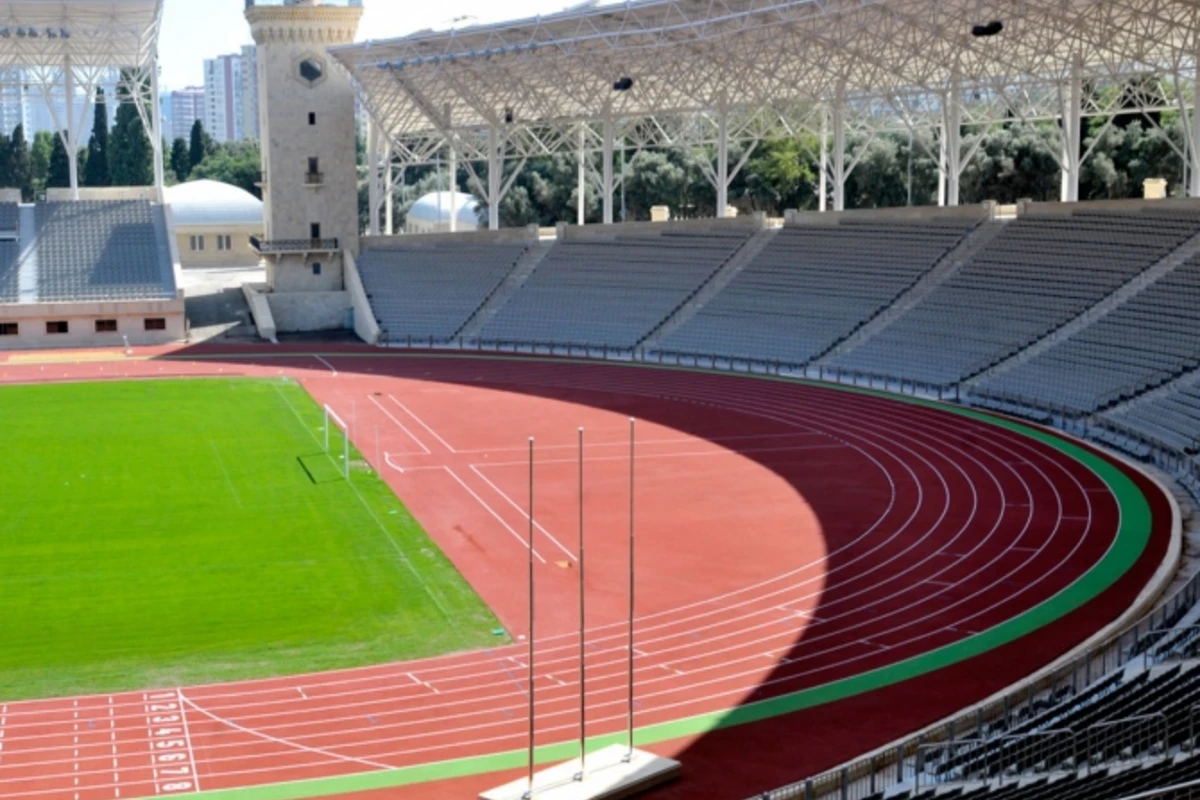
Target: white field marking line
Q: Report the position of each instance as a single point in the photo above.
(187, 736)
(760, 671)
(523, 512)
(651, 456)
(481, 502)
(647, 442)
(382, 528)
(400, 425)
(225, 472)
(327, 364)
(987, 470)
(421, 422)
(283, 742)
(300, 690)
(112, 737)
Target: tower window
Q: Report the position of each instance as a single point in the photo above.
(315, 230)
(316, 268)
(311, 70)
(312, 118)
(314, 165)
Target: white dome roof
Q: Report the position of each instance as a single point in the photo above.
(427, 208)
(205, 202)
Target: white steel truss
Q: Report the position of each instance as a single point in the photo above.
(714, 73)
(67, 47)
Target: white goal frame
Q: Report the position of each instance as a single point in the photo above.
(331, 416)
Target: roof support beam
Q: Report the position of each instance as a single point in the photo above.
(1072, 122)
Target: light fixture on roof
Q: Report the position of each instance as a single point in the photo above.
(623, 84)
(987, 29)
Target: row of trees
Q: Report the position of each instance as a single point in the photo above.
(1011, 162)
(121, 156)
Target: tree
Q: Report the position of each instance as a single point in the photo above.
(20, 167)
(180, 163)
(39, 157)
(131, 159)
(96, 173)
(237, 163)
(201, 145)
(59, 174)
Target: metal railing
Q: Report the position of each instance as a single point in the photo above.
(314, 178)
(293, 245)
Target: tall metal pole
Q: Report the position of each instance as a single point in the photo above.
(582, 629)
(629, 755)
(529, 794)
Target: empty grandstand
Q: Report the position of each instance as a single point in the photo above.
(812, 285)
(1041, 272)
(94, 270)
(612, 291)
(424, 289)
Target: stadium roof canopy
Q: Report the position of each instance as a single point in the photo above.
(767, 65)
(65, 48)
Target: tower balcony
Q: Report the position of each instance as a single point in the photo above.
(285, 247)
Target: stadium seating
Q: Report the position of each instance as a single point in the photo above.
(812, 285)
(428, 289)
(1145, 342)
(1172, 418)
(9, 271)
(103, 250)
(612, 292)
(9, 218)
(1037, 274)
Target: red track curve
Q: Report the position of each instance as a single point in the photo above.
(936, 527)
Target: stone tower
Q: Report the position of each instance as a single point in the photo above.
(307, 128)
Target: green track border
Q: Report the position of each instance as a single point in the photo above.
(1133, 534)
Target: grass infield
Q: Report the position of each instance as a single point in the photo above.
(161, 533)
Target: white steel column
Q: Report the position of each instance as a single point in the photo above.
(72, 127)
(606, 175)
(1072, 121)
(373, 187)
(1194, 151)
(823, 182)
(452, 179)
(495, 168)
(581, 190)
(389, 196)
(839, 156)
(722, 159)
(156, 137)
(951, 169)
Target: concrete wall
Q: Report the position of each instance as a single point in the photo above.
(105, 193)
(10, 195)
(297, 312)
(1030, 208)
(751, 222)
(242, 254)
(260, 310)
(294, 272)
(901, 214)
(81, 320)
(526, 234)
(365, 325)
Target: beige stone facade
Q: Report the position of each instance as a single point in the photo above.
(216, 246)
(29, 326)
(306, 119)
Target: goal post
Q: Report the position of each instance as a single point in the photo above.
(332, 419)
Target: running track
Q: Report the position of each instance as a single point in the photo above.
(896, 554)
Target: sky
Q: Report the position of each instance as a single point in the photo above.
(194, 30)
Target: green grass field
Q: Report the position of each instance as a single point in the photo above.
(172, 532)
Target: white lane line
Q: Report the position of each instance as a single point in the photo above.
(523, 512)
(187, 737)
(421, 422)
(300, 689)
(400, 425)
(327, 364)
(481, 502)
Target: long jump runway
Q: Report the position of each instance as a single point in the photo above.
(819, 572)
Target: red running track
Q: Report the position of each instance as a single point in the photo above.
(788, 536)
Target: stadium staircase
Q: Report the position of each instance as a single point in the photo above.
(504, 290)
(710, 289)
(943, 270)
